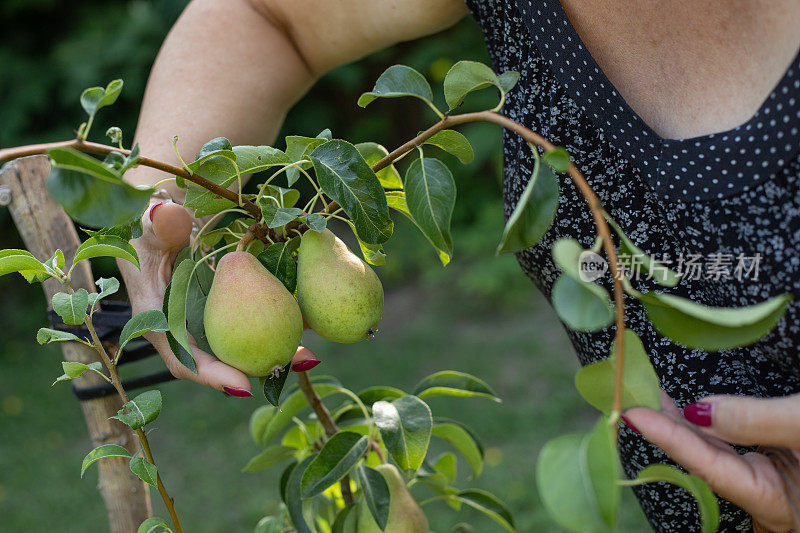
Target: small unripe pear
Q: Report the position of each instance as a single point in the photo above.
(252, 322)
(405, 514)
(340, 296)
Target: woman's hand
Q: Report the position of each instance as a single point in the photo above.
(699, 438)
(166, 229)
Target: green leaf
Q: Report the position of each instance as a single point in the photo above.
(127, 231)
(55, 263)
(107, 286)
(566, 254)
(634, 258)
(348, 180)
(297, 149)
(71, 307)
(712, 328)
(577, 480)
(144, 322)
(583, 306)
(294, 500)
(374, 152)
(47, 335)
(151, 525)
(431, 196)
(454, 383)
(259, 420)
(275, 216)
(285, 197)
(534, 212)
(273, 385)
(277, 258)
(91, 193)
(508, 80)
(141, 410)
(71, 159)
(706, 500)
(13, 260)
(463, 441)
(144, 470)
(453, 143)
(218, 147)
(222, 171)
(379, 392)
(291, 406)
(101, 452)
(334, 461)
(74, 369)
(376, 494)
(467, 76)
(405, 425)
(396, 81)
(447, 465)
(270, 457)
(106, 246)
(95, 98)
(558, 159)
(270, 524)
(315, 222)
(640, 387)
(489, 505)
(182, 354)
(372, 253)
(176, 308)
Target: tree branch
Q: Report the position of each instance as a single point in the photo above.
(102, 149)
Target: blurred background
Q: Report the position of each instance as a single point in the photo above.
(480, 314)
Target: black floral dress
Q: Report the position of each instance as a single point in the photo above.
(722, 209)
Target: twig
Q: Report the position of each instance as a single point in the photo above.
(117, 383)
(97, 148)
(325, 418)
(603, 231)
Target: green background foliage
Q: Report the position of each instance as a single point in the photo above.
(480, 315)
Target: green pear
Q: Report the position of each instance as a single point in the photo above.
(405, 514)
(252, 322)
(340, 296)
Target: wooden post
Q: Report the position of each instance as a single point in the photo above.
(45, 227)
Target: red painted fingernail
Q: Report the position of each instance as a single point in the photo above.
(305, 364)
(699, 413)
(239, 393)
(153, 208)
(629, 424)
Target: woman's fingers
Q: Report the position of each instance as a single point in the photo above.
(749, 481)
(167, 225)
(749, 421)
(211, 372)
(304, 359)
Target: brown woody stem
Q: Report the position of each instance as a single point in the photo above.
(325, 418)
(117, 383)
(603, 230)
(97, 148)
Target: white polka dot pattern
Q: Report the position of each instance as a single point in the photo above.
(736, 192)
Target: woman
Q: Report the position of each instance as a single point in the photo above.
(683, 114)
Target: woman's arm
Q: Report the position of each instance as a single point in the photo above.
(233, 68)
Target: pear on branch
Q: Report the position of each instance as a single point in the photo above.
(252, 322)
(340, 296)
